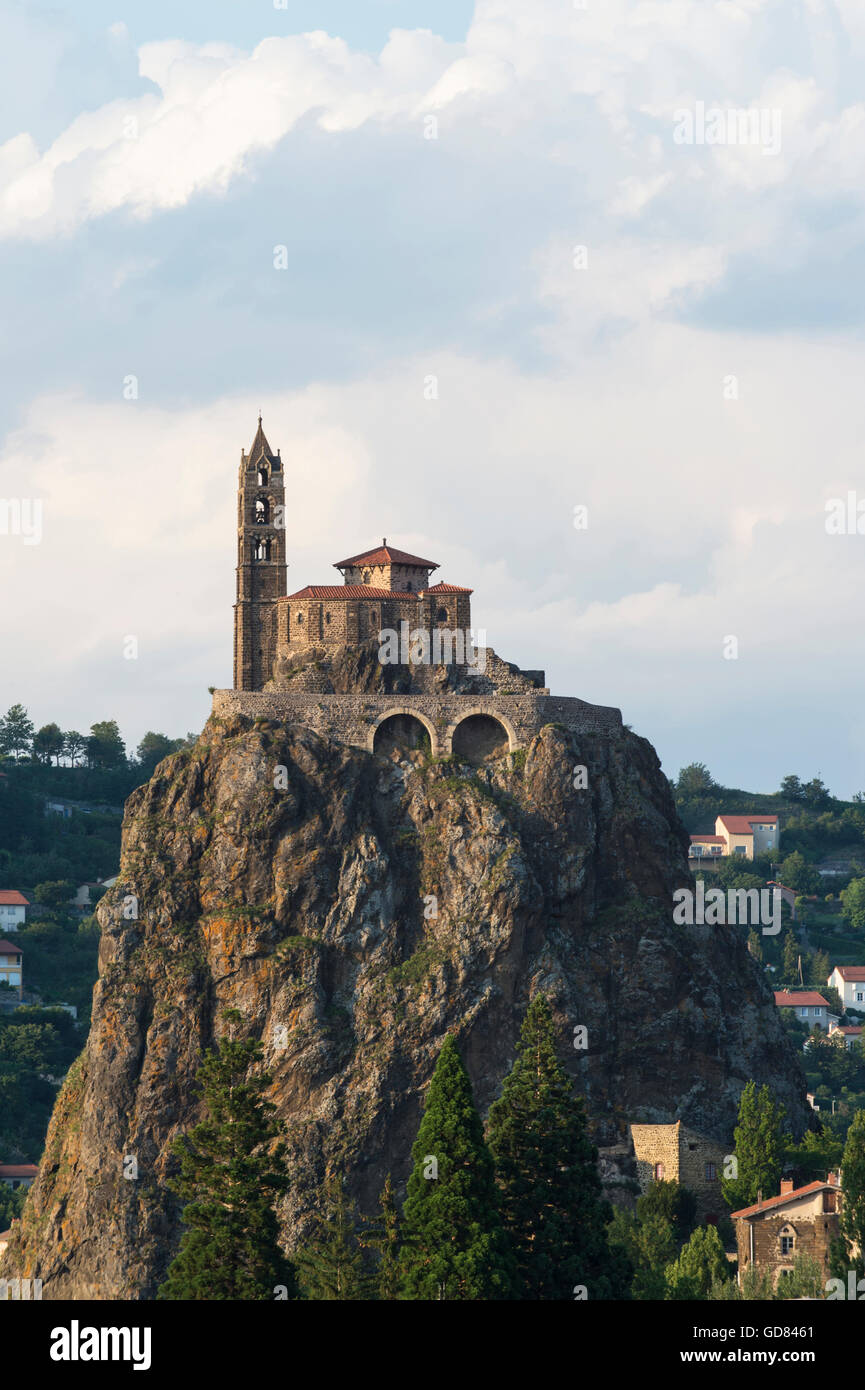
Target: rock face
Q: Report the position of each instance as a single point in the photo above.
(304, 908)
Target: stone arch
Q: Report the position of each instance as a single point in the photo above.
(403, 712)
(473, 737)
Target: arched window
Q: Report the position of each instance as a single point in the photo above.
(300, 618)
(262, 511)
(261, 548)
(262, 475)
(659, 1172)
(442, 615)
(787, 1239)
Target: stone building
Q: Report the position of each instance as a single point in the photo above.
(385, 659)
(800, 1220)
(673, 1153)
(260, 562)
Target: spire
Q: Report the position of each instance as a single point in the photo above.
(260, 446)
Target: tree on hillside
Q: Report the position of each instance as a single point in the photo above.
(646, 1246)
(454, 1244)
(56, 894)
(74, 746)
(105, 747)
(849, 1250)
(695, 781)
(758, 1147)
(795, 873)
(790, 959)
(791, 788)
(154, 747)
(16, 732)
(330, 1268)
(815, 793)
(853, 904)
(48, 743)
(546, 1171)
(819, 970)
(677, 1204)
(229, 1182)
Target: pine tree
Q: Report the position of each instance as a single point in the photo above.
(700, 1264)
(454, 1245)
(790, 960)
(758, 1146)
(230, 1249)
(546, 1169)
(849, 1249)
(330, 1268)
(382, 1236)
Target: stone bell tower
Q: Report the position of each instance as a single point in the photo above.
(260, 562)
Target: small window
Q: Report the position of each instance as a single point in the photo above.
(786, 1246)
(442, 615)
(659, 1172)
(262, 475)
(408, 587)
(711, 1172)
(327, 617)
(300, 617)
(366, 577)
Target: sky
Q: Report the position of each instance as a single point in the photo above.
(513, 285)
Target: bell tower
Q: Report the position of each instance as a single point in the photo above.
(261, 578)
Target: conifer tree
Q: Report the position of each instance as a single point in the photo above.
(230, 1249)
(700, 1264)
(546, 1170)
(330, 1268)
(758, 1147)
(849, 1248)
(382, 1236)
(454, 1245)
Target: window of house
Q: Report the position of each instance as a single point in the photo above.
(300, 617)
(659, 1172)
(786, 1245)
(711, 1173)
(829, 1201)
(327, 617)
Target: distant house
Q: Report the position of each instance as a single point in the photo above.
(849, 980)
(850, 1035)
(748, 835)
(673, 1153)
(707, 849)
(5, 1237)
(13, 909)
(808, 1006)
(11, 966)
(87, 895)
(18, 1174)
(800, 1220)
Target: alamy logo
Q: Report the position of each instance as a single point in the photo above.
(745, 906)
(77, 1343)
(845, 516)
(22, 516)
(731, 126)
(442, 647)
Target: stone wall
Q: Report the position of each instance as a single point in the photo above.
(353, 719)
(687, 1157)
(811, 1229)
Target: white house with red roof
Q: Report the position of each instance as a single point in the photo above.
(849, 1035)
(849, 980)
(808, 1006)
(13, 909)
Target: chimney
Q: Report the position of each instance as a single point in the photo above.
(786, 1186)
(834, 1179)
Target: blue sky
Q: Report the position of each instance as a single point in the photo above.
(430, 171)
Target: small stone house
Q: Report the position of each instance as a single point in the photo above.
(673, 1153)
(800, 1220)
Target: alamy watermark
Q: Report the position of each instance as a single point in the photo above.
(22, 516)
(713, 908)
(716, 125)
(441, 647)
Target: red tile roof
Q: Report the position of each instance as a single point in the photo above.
(386, 555)
(708, 839)
(782, 1198)
(850, 1030)
(785, 1000)
(18, 1170)
(10, 898)
(337, 591)
(743, 825)
(6, 947)
(448, 589)
(851, 972)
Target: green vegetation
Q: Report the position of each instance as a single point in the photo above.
(37, 1046)
(230, 1249)
(758, 1146)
